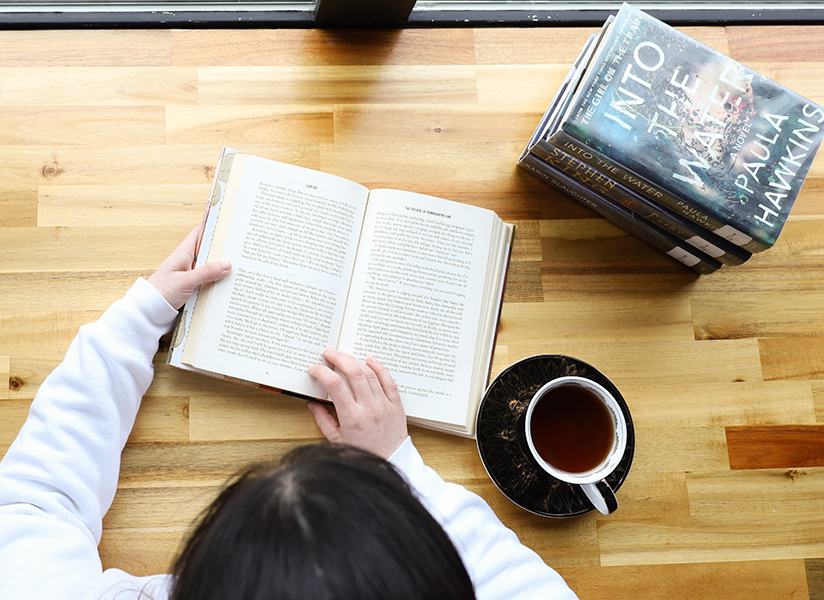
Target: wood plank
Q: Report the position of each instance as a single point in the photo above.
(161, 419)
(666, 450)
(818, 400)
(776, 43)
(62, 86)
(339, 85)
(185, 464)
(614, 319)
(82, 126)
(5, 376)
(670, 363)
(426, 123)
(694, 404)
(792, 358)
(710, 539)
(113, 205)
(531, 86)
(140, 551)
(754, 580)
(776, 446)
(526, 244)
(321, 47)
(232, 125)
(41, 333)
(33, 166)
(399, 162)
(85, 48)
(254, 416)
(809, 204)
(725, 315)
(89, 248)
(18, 208)
(158, 507)
(756, 492)
(523, 283)
(651, 494)
(26, 373)
(56, 291)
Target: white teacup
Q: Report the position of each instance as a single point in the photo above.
(577, 433)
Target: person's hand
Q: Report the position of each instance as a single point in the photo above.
(371, 416)
(176, 280)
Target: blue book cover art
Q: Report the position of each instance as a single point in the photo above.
(700, 125)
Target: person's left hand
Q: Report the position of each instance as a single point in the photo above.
(176, 280)
(371, 416)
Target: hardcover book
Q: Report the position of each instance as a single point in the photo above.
(692, 129)
(676, 224)
(692, 257)
(320, 261)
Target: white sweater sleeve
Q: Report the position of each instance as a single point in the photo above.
(59, 477)
(501, 568)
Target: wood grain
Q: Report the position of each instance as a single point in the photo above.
(776, 446)
(109, 141)
(756, 580)
(314, 47)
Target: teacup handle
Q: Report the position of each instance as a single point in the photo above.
(601, 496)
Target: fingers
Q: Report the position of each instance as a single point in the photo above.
(214, 271)
(332, 382)
(325, 421)
(362, 379)
(176, 280)
(182, 257)
(370, 416)
(189, 243)
(387, 383)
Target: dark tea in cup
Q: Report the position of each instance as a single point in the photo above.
(572, 428)
(577, 433)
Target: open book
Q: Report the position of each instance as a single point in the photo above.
(319, 261)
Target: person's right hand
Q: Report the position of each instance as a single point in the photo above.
(371, 416)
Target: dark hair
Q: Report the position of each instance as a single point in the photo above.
(331, 522)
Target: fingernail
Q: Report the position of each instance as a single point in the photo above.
(225, 265)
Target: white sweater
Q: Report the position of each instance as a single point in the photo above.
(60, 475)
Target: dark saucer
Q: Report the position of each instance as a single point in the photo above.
(504, 452)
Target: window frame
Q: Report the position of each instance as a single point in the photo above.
(399, 13)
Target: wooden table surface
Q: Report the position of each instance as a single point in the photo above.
(108, 141)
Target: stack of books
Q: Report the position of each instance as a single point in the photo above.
(682, 146)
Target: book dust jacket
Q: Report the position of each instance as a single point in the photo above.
(712, 132)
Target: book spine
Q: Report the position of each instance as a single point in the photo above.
(682, 228)
(633, 181)
(684, 253)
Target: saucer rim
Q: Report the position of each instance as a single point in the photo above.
(627, 457)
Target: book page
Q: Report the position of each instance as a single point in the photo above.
(416, 296)
(291, 235)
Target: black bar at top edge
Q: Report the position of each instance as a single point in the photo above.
(418, 19)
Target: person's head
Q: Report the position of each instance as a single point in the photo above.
(328, 523)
